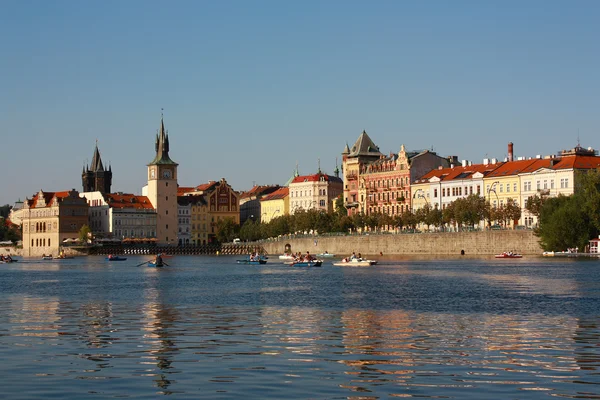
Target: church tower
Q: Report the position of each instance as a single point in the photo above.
(162, 189)
(94, 177)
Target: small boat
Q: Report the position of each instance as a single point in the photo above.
(8, 261)
(46, 257)
(116, 258)
(155, 264)
(508, 254)
(314, 263)
(326, 255)
(286, 257)
(62, 258)
(252, 262)
(355, 262)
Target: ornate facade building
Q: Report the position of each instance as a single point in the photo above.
(49, 218)
(94, 177)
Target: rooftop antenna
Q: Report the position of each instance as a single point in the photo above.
(578, 143)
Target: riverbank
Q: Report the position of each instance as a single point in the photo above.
(443, 243)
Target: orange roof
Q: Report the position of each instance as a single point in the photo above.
(316, 178)
(279, 194)
(48, 197)
(259, 190)
(181, 190)
(206, 186)
(578, 162)
(511, 168)
(125, 200)
(459, 172)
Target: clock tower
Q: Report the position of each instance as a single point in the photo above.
(162, 189)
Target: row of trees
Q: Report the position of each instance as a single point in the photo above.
(462, 213)
(8, 231)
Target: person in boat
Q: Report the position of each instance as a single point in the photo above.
(158, 260)
(110, 256)
(353, 256)
(308, 257)
(359, 257)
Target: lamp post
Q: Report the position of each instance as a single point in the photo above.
(493, 189)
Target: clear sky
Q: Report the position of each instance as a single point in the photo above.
(250, 88)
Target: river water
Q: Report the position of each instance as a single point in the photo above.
(205, 327)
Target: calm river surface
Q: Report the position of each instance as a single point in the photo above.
(206, 327)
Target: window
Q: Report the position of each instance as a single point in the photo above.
(508, 188)
(538, 185)
(551, 183)
(527, 186)
(434, 192)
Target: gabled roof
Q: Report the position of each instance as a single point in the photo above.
(258, 191)
(125, 200)
(317, 177)
(279, 194)
(47, 196)
(206, 186)
(364, 146)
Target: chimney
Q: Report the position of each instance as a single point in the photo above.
(510, 151)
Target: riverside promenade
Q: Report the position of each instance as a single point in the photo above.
(439, 243)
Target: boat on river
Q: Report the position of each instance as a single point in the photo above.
(252, 262)
(313, 263)
(508, 254)
(154, 264)
(115, 258)
(355, 262)
(286, 256)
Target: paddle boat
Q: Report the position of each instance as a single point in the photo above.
(252, 262)
(355, 262)
(313, 263)
(286, 256)
(45, 257)
(508, 254)
(115, 258)
(154, 264)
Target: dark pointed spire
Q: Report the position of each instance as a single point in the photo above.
(162, 146)
(96, 160)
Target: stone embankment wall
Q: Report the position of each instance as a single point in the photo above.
(446, 243)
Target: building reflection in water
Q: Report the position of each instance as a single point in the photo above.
(158, 327)
(34, 316)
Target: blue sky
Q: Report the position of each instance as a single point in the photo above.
(250, 88)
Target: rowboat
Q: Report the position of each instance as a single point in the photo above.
(154, 264)
(286, 257)
(46, 257)
(355, 262)
(116, 258)
(252, 262)
(315, 263)
(508, 254)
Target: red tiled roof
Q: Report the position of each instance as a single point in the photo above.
(281, 193)
(511, 168)
(206, 186)
(460, 172)
(128, 201)
(48, 197)
(578, 162)
(181, 190)
(316, 178)
(259, 190)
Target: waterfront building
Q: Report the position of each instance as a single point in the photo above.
(363, 152)
(49, 218)
(94, 177)
(275, 204)
(193, 214)
(121, 216)
(162, 189)
(387, 181)
(221, 202)
(250, 204)
(315, 191)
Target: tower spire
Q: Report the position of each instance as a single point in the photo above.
(161, 145)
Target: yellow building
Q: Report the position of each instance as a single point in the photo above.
(220, 202)
(275, 205)
(50, 218)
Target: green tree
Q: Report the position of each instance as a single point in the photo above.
(227, 230)
(564, 223)
(85, 234)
